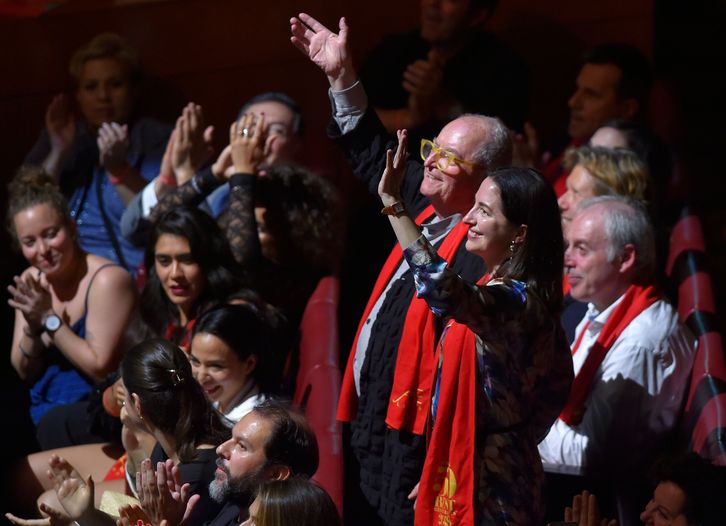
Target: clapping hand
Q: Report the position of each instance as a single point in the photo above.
(162, 495)
(32, 298)
(586, 512)
(326, 49)
(247, 142)
(389, 188)
(74, 493)
(113, 147)
(132, 515)
(423, 80)
(525, 148)
(60, 123)
(53, 517)
(192, 145)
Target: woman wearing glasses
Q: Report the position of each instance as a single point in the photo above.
(503, 368)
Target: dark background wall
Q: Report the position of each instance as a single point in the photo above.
(218, 53)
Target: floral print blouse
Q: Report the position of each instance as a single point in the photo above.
(524, 372)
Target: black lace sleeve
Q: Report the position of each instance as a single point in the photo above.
(189, 194)
(239, 223)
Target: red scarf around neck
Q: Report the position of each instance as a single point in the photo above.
(446, 489)
(172, 333)
(415, 361)
(636, 299)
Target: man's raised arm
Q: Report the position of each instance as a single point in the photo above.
(329, 51)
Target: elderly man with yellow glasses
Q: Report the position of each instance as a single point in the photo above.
(397, 333)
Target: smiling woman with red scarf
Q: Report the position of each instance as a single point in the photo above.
(502, 369)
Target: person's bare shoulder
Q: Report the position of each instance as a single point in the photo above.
(110, 275)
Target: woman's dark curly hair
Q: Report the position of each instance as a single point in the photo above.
(302, 211)
(172, 400)
(209, 249)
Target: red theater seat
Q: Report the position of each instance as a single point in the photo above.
(704, 418)
(318, 383)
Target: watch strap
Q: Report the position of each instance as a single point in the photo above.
(396, 209)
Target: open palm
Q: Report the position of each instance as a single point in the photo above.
(325, 48)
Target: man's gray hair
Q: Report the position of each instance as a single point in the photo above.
(496, 151)
(626, 222)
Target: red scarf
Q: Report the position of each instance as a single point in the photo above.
(415, 363)
(636, 299)
(554, 171)
(171, 332)
(446, 488)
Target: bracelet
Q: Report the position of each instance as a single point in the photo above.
(167, 179)
(27, 354)
(118, 179)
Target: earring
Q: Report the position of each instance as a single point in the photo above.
(513, 246)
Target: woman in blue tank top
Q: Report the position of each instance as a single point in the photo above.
(71, 308)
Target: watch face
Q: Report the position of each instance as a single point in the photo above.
(52, 323)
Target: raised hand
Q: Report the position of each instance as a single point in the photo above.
(586, 512)
(132, 515)
(247, 142)
(162, 495)
(113, 146)
(32, 298)
(192, 147)
(423, 78)
(223, 168)
(326, 49)
(60, 123)
(389, 188)
(525, 148)
(423, 81)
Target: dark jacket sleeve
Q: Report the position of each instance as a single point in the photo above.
(365, 148)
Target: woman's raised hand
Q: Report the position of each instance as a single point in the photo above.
(192, 145)
(326, 49)
(60, 123)
(389, 188)
(113, 146)
(247, 142)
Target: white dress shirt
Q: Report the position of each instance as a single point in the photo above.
(636, 395)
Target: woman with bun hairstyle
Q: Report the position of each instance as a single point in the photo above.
(162, 399)
(71, 307)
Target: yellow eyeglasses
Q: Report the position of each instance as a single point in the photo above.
(444, 158)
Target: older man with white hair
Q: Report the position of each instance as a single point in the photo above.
(631, 355)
